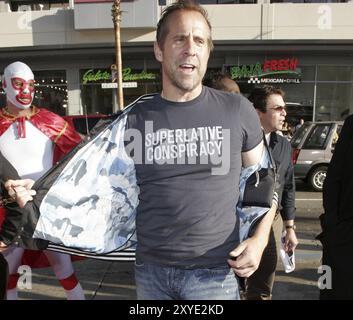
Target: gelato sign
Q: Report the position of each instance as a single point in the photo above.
(99, 76)
(270, 71)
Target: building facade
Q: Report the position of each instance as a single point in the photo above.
(305, 48)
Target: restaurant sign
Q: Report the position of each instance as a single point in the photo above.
(270, 71)
(101, 76)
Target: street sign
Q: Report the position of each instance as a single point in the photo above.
(114, 85)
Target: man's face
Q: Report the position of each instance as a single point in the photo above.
(185, 52)
(275, 115)
(19, 85)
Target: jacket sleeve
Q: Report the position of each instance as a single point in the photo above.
(288, 195)
(335, 174)
(12, 220)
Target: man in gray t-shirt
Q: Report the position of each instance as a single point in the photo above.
(195, 142)
(186, 215)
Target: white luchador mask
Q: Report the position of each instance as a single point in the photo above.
(18, 83)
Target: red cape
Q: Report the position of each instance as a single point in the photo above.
(53, 126)
(64, 137)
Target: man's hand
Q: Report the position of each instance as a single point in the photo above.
(290, 241)
(20, 190)
(248, 256)
(248, 253)
(3, 246)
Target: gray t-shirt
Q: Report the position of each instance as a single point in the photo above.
(188, 173)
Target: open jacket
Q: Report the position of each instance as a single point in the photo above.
(87, 204)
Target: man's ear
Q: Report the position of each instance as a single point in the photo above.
(4, 85)
(158, 52)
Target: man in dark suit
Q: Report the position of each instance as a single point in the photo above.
(271, 109)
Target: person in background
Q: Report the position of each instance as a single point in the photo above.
(301, 122)
(337, 221)
(271, 109)
(31, 140)
(221, 81)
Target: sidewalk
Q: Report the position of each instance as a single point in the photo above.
(115, 280)
(301, 284)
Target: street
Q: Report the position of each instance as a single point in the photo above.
(108, 280)
(301, 284)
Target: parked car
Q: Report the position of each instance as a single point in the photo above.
(83, 124)
(313, 144)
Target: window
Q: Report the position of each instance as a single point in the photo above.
(37, 5)
(226, 1)
(299, 134)
(334, 101)
(309, 1)
(51, 90)
(317, 137)
(335, 73)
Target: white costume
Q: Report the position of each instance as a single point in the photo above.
(29, 147)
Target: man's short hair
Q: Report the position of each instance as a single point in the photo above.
(187, 5)
(216, 81)
(260, 95)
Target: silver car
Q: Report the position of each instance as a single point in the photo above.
(313, 144)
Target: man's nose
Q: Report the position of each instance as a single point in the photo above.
(190, 46)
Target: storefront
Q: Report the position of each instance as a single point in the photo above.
(318, 82)
(319, 91)
(98, 93)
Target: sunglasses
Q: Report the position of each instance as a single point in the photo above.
(279, 108)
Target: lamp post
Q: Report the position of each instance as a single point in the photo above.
(116, 14)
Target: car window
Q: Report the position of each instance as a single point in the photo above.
(336, 135)
(299, 134)
(317, 137)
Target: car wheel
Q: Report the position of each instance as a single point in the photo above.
(317, 178)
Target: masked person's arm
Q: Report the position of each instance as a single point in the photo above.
(20, 191)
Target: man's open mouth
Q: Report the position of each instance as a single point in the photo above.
(187, 67)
